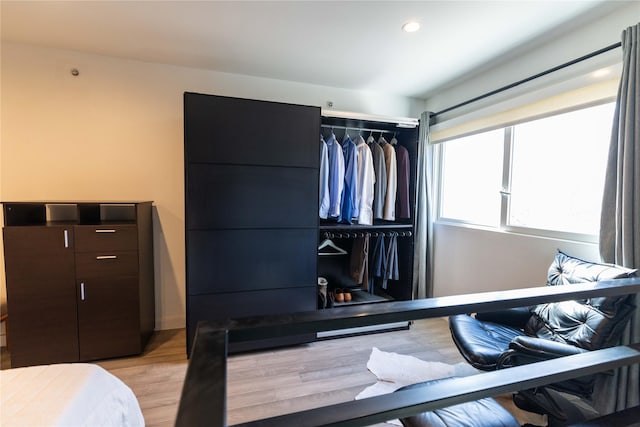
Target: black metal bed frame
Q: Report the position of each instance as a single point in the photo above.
(203, 400)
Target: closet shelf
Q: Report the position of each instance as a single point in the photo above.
(361, 297)
(348, 227)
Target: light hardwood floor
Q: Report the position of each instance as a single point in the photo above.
(275, 382)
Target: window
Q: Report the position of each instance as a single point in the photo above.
(472, 177)
(543, 177)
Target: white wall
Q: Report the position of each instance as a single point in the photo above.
(471, 259)
(591, 33)
(115, 132)
(474, 260)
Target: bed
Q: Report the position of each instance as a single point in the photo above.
(75, 394)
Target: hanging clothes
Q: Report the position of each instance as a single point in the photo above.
(379, 258)
(324, 200)
(402, 198)
(366, 182)
(348, 208)
(336, 175)
(391, 261)
(359, 266)
(380, 172)
(392, 258)
(389, 209)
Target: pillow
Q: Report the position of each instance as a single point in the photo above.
(566, 269)
(589, 324)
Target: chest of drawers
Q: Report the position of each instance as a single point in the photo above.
(78, 292)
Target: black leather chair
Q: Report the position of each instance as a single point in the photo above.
(478, 413)
(519, 336)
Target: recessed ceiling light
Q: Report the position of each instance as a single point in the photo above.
(411, 26)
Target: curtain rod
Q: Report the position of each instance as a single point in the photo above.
(528, 79)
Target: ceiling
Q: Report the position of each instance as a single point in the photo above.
(347, 44)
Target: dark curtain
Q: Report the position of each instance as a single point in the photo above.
(423, 238)
(620, 220)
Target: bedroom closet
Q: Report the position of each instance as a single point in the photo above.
(252, 213)
(370, 255)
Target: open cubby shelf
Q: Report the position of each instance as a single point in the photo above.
(69, 213)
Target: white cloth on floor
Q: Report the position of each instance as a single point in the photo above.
(395, 370)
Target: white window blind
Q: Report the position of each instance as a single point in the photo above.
(538, 103)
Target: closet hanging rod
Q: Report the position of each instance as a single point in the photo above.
(357, 128)
(525, 80)
(351, 234)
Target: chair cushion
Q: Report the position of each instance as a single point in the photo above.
(479, 413)
(515, 317)
(578, 324)
(591, 324)
(481, 343)
(566, 269)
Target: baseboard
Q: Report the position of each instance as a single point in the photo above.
(173, 322)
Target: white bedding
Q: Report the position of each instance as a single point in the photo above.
(76, 394)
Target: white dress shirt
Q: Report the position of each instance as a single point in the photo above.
(366, 181)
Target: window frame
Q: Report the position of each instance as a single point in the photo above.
(505, 191)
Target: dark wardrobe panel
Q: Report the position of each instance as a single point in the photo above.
(254, 303)
(242, 131)
(222, 196)
(251, 210)
(245, 260)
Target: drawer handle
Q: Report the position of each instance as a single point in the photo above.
(106, 231)
(66, 238)
(82, 291)
(106, 257)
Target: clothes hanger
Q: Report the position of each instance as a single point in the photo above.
(346, 134)
(333, 135)
(371, 139)
(393, 141)
(328, 243)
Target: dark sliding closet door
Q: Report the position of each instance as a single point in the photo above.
(251, 209)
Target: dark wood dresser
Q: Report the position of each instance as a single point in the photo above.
(80, 280)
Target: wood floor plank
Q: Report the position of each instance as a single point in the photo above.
(274, 382)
